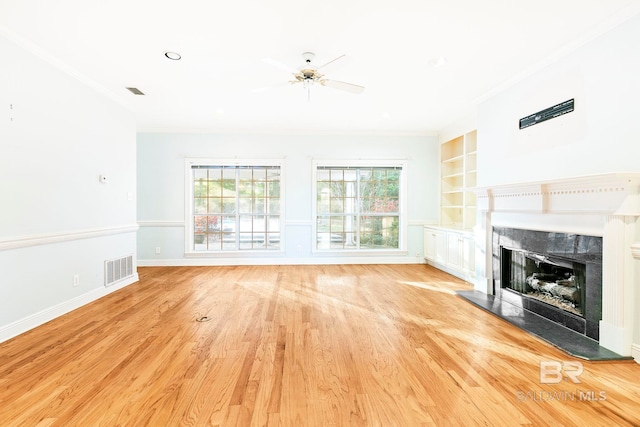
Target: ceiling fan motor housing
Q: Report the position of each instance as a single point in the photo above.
(309, 74)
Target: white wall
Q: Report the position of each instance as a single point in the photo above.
(600, 136)
(161, 186)
(463, 125)
(57, 136)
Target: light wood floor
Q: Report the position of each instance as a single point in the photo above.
(298, 346)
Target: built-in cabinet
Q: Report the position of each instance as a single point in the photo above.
(450, 245)
(450, 250)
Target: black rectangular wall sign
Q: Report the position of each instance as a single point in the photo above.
(546, 114)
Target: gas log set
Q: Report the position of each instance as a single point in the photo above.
(563, 292)
(554, 280)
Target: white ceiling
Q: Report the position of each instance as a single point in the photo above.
(390, 48)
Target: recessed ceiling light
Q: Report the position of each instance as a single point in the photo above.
(220, 111)
(173, 56)
(386, 115)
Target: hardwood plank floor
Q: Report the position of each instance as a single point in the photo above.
(361, 345)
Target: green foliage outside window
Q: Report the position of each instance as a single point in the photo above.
(358, 208)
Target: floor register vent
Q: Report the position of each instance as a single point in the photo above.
(118, 269)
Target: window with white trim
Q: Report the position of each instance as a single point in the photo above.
(359, 206)
(234, 207)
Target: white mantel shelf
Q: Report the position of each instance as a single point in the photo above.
(606, 204)
(608, 194)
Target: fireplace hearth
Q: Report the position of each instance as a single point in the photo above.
(555, 275)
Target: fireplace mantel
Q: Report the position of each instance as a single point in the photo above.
(607, 194)
(606, 205)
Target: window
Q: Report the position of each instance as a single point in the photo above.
(233, 207)
(359, 206)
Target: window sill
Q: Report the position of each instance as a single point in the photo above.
(234, 254)
(361, 252)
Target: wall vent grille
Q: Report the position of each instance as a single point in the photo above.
(118, 269)
(135, 91)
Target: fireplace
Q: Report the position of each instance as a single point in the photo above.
(555, 275)
(597, 211)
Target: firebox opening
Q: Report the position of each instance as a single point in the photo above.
(551, 279)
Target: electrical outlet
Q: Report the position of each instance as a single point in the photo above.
(157, 249)
(76, 280)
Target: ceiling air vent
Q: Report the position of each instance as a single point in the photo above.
(135, 91)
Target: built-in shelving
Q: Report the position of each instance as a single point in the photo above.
(450, 246)
(457, 178)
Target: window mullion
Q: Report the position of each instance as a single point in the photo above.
(265, 216)
(358, 212)
(237, 202)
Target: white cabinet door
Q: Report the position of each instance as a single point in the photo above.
(441, 246)
(454, 250)
(429, 244)
(435, 245)
(468, 255)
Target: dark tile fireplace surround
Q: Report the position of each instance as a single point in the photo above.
(584, 253)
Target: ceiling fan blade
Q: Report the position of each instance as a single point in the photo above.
(332, 61)
(266, 88)
(279, 65)
(348, 87)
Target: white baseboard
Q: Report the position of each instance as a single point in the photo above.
(327, 260)
(23, 325)
(483, 285)
(635, 352)
(454, 272)
(612, 337)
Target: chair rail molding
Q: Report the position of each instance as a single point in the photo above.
(65, 236)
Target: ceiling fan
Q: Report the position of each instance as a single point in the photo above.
(308, 74)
